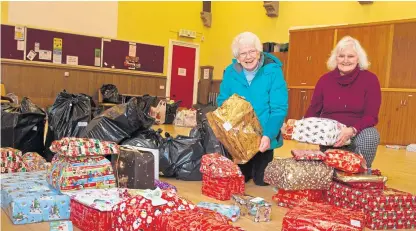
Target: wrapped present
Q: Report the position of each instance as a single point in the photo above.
(91, 208)
(319, 131)
(289, 174)
(72, 146)
(34, 162)
(26, 198)
(288, 130)
(197, 219)
(361, 181)
(11, 160)
(75, 173)
(308, 155)
(290, 198)
(185, 118)
(61, 226)
(371, 199)
(230, 211)
(134, 169)
(237, 127)
(216, 165)
(400, 224)
(140, 212)
(164, 185)
(345, 161)
(222, 188)
(318, 216)
(255, 207)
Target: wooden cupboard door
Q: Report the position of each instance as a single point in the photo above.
(385, 115)
(298, 66)
(282, 56)
(376, 42)
(321, 43)
(394, 118)
(295, 104)
(403, 62)
(307, 97)
(409, 120)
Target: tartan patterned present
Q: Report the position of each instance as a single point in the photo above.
(345, 161)
(308, 155)
(75, 173)
(319, 131)
(11, 161)
(230, 211)
(192, 220)
(34, 162)
(222, 188)
(318, 216)
(216, 165)
(140, 213)
(72, 146)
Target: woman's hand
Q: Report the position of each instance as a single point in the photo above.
(264, 144)
(345, 135)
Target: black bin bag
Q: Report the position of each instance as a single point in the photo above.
(171, 111)
(68, 117)
(180, 157)
(119, 122)
(110, 93)
(23, 126)
(146, 139)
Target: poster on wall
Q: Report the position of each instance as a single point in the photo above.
(19, 33)
(71, 60)
(132, 49)
(97, 58)
(31, 55)
(57, 50)
(20, 45)
(45, 55)
(37, 47)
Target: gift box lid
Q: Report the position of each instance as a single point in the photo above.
(100, 199)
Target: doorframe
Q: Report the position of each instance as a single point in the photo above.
(196, 71)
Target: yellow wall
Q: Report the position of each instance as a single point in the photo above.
(4, 12)
(237, 17)
(157, 22)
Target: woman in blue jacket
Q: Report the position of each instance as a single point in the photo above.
(258, 77)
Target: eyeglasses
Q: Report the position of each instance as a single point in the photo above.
(244, 55)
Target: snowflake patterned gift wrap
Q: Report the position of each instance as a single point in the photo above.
(91, 208)
(26, 198)
(34, 162)
(320, 131)
(61, 226)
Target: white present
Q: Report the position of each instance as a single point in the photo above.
(319, 131)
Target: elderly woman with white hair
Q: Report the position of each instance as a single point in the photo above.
(257, 76)
(350, 94)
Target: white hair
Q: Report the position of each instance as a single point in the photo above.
(342, 44)
(246, 39)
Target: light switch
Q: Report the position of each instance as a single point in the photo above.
(162, 87)
(66, 74)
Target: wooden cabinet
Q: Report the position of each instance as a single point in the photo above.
(375, 41)
(299, 101)
(396, 118)
(308, 53)
(403, 62)
(282, 56)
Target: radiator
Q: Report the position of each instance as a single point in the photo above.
(212, 98)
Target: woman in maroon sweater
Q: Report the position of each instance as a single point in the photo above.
(350, 94)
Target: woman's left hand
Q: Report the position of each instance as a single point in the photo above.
(264, 144)
(345, 135)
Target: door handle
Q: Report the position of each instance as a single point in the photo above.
(404, 102)
(401, 102)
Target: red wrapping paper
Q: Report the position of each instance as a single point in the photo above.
(222, 188)
(308, 155)
(316, 216)
(73, 146)
(197, 219)
(11, 161)
(216, 165)
(366, 185)
(288, 131)
(345, 161)
(399, 224)
(137, 213)
(291, 198)
(86, 218)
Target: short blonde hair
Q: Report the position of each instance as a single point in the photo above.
(246, 39)
(343, 43)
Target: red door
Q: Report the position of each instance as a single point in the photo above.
(182, 75)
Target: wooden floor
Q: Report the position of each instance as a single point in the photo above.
(398, 165)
